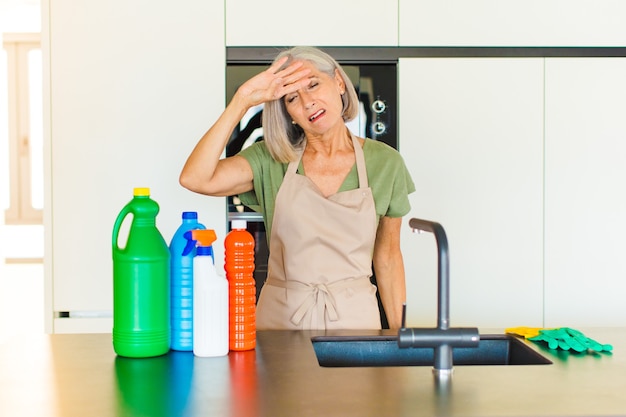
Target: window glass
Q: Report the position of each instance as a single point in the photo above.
(4, 132)
(36, 127)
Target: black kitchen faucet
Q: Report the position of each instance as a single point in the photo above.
(441, 338)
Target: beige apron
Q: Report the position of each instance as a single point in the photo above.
(320, 257)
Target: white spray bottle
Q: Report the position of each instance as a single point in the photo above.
(210, 299)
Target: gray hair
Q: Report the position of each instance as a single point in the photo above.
(284, 139)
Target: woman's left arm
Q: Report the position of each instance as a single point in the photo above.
(389, 269)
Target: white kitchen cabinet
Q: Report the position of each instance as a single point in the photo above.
(471, 133)
(585, 192)
(130, 88)
(323, 23)
(512, 23)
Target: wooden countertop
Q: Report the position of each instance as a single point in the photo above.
(80, 375)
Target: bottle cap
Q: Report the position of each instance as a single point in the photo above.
(190, 215)
(141, 192)
(239, 224)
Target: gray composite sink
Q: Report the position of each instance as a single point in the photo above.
(383, 350)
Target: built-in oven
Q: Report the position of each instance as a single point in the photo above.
(376, 82)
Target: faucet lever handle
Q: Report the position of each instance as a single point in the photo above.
(404, 315)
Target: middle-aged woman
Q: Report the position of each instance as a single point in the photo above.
(332, 202)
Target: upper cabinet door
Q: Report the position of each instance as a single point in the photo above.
(471, 133)
(321, 23)
(512, 23)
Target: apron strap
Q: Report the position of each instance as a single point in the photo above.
(360, 163)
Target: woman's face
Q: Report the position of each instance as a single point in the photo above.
(317, 107)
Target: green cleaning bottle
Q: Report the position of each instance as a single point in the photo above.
(141, 269)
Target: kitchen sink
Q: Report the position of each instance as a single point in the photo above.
(383, 350)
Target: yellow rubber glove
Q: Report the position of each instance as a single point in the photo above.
(524, 331)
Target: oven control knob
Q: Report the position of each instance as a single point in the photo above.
(379, 128)
(379, 106)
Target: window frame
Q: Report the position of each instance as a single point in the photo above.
(21, 210)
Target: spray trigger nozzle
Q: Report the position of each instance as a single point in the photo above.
(191, 244)
(201, 237)
(204, 237)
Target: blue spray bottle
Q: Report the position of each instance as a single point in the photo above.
(181, 284)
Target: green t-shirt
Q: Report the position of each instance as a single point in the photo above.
(387, 175)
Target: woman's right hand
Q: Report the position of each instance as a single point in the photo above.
(273, 83)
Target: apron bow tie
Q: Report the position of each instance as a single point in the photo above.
(321, 299)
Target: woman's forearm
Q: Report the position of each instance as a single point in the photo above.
(392, 289)
(199, 172)
(389, 269)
